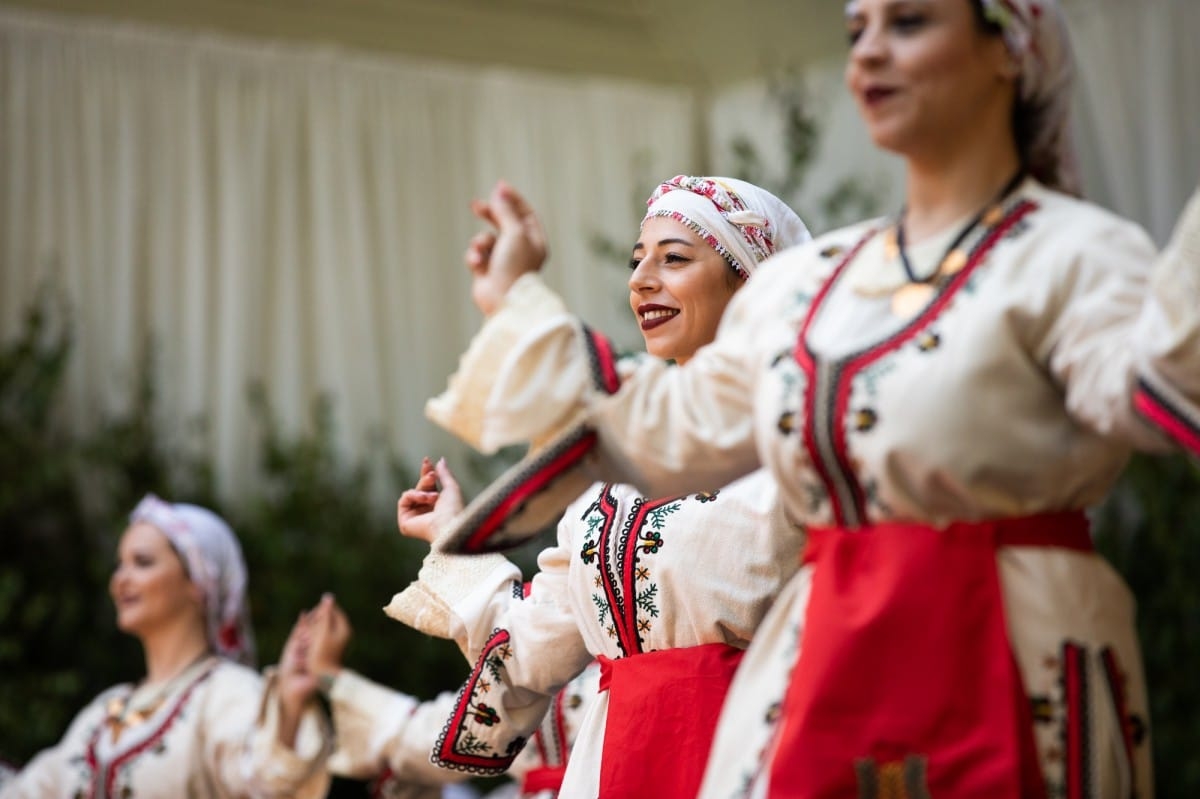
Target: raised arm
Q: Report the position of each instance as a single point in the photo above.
(535, 371)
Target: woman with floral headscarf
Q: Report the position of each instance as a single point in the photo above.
(196, 724)
(663, 591)
(939, 395)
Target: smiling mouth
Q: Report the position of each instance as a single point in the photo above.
(658, 316)
(875, 96)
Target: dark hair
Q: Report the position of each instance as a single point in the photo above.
(1026, 118)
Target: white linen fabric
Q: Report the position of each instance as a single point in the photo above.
(212, 736)
(1022, 391)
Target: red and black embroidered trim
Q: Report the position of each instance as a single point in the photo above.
(489, 523)
(1077, 733)
(1150, 403)
(104, 776)
(827, 393)
(603, 361)
(458, 746)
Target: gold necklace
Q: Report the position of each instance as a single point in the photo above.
(132, 709)
(917, 292)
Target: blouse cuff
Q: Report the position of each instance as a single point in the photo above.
(298, 770)
(450, 587)
(462, 408)
(358, 705)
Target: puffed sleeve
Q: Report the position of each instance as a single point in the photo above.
(1124, 336)
(381, 731)
(241, 745)
(523, 649)
(49, 772)
(534, 370)
(1167, 393)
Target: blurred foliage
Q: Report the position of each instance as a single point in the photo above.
(64, 498)
(1150, 530)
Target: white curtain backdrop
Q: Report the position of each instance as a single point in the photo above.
(295, 216)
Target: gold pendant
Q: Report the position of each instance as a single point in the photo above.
(891, 247)
(954, 262)
(993, 216)
(910, 299)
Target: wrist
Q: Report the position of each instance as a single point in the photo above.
(326, 679)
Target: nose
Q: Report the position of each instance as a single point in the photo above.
(644, 277)
(869, 46)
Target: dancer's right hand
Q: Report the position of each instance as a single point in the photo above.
(424, 510)
(515, 245)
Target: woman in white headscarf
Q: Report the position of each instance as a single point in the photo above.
(939, 395)
(664, 591)
(196, 723)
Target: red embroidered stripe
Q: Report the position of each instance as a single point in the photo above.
(1116, 687)
(456, 733)
(1078, 770)
(557, 463)
(627, 628)
(604, 361)
(110, 770)
(1155, 408)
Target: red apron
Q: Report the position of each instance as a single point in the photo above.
(544, 778)
(907, 685)
(662, 715)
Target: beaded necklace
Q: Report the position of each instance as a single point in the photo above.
(135, 707)
(916, 293)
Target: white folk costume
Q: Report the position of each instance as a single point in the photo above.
(959, 636)
(211, 736)
(208, 732)
(664, 591)
(386, 737)
(985, 423)
(539, 769)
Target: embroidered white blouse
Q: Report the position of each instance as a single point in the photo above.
(213, 736)
(628, 575)
(1021, 388)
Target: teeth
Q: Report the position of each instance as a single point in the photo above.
(658, 314)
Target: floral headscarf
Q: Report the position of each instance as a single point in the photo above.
(213, 558)
(742, 222)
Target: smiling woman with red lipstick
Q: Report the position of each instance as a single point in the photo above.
(192, 726)
(940, 396)
(663, 591)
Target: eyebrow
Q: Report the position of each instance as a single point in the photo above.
(640, 246)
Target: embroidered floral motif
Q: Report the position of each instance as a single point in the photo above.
(786, 423)
(650, 542)
(484, 714)
(708, 496)
(626, 595)
(927, 341)
(473, 738)
(864, 419)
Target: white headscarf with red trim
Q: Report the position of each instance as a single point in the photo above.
(213, 558)
(1035, 32)
(742, 222)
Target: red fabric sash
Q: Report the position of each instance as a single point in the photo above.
(546, 778)
(906, 685)
(662, 714)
